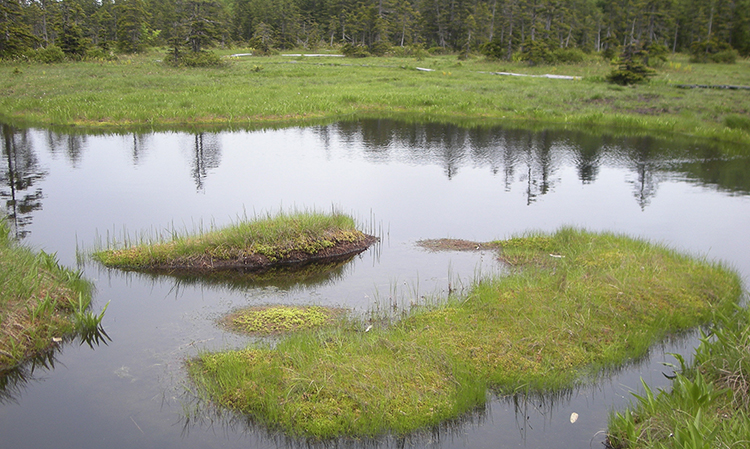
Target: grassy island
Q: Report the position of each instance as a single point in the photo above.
(41, 303)
(574, 304)
(282, 239)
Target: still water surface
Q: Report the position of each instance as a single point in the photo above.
(406, 182)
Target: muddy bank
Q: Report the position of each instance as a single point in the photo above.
(252, 263)
(454, 245)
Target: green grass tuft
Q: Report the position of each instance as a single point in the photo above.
(708, 404)
(40, 302)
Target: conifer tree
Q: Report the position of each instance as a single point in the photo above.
(132, 25)
(15, 35)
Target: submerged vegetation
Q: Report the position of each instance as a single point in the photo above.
(41, 304)
(281, 239)
(574, 303)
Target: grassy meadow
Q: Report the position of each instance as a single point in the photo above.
(575, 303)
(41, 303)
(267, 91)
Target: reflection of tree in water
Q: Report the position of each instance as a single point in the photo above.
(138, 144)
(587, 156)
(539, 159)
(532, 157)
(20, 171)
(72, 145)
(446, 144)
(205, 156)
(497, 150)
(644, 160)
(729, 175)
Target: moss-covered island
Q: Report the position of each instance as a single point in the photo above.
(294, 238)
(41, 303)
(573, 304)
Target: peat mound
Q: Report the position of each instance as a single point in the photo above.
(205, 263)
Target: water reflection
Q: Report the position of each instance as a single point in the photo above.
(139, 145)
(531, 158)
(281, 278)
(645, 161)
(534, 157)
(71, 145)
(206, 155)
(19, 173)
(13, 382)
(422, 181)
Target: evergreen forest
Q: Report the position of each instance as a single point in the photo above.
(503, 29)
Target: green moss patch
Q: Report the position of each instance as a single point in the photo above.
(268, 320)
(574, 304)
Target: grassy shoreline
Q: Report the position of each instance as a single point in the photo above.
(576, 303)
(708, 404)
(276, 91)
(41, 304)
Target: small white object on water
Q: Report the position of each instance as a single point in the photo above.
(573, 417)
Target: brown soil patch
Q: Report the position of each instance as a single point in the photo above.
(452, 245)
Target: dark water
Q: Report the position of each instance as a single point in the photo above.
(407, 182)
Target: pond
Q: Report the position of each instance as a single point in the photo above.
(66, 193)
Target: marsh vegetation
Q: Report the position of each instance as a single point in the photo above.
(576, 303)
(422, 180)
(273, 320)
(42, 304)
(708, 404)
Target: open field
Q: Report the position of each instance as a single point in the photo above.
(268, 91)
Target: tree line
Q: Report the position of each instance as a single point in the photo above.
(501, 28)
